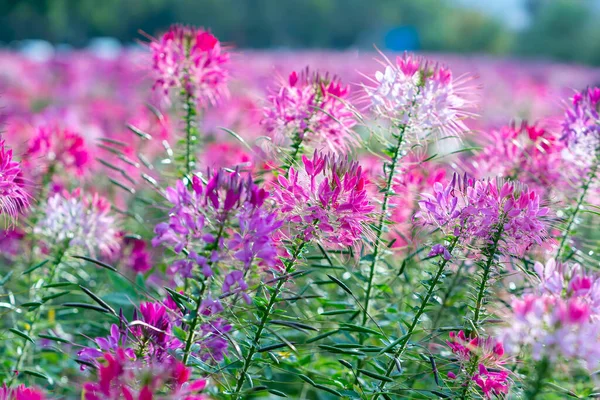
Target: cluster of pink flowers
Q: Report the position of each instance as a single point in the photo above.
(20, 392)
(191, 59)
(425, 99)
(80, 222)
(527, 153)
(314, 110)
(120, 377)
(14, 199)
(553, 328)
(479, 209)
(581, 126)
(326, 201)
(60, 148)
(490, 375)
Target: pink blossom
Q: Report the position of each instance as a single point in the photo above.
(191, 59)
(326, 200)
(13, 197)
(20, 392)
(581, 126)
(425, 99)
(478, 209)
(311, 109)
(59, 148)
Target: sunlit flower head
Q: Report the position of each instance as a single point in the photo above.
(79, 222)
(424, 98)
(13, 197)
(326, 200)
(312, 109)
(191, 59)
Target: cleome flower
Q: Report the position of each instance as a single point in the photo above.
(191, 59)
(581, 126)
(14, 200)
(20, 392)
(553, 328)
(476, 210)
(55, 147)
(525, 152)
(488, 353)
(425, 99)
(325, 201)
(313, 110)
(80, 223)
(120, 377)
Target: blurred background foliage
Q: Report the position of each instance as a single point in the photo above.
(565, 30)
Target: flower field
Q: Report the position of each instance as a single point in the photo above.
(194, 221)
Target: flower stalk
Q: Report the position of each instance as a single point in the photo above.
(265, 318)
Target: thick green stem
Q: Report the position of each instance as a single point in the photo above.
(36, 316)
(573, 216)
(263, 321)
(425, 301)
(388, 191)
(542, 373)
(296, 150)
(447, 294)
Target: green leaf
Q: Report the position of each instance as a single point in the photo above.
(341, 284)
(21, 334)
(358, 328)
(306, 379)
(277, 393)
(86, 306)
(329, 390)
(375, 376)
(98, 300)
(53, 338)
(36, 266)
(98, 263)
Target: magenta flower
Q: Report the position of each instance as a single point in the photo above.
(115, 341)
(59, 148)
(13, 197)
(581, 126)
(120, 377)
(20, 392)
(313, 110)
(479, 209)
(82, 223)
(191, 59)
(425, 99)
(325, 201)
(488, 353)
(526, 153)
(155, 332)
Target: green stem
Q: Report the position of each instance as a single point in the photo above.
(543, 370)
(585, 188)
(296, 149)
(37, 315)
(486, 275)
(189, 341)
(406, 338)
(446, 295)
(388, 191)
(469, 377)
(191, 133)
(263, 321)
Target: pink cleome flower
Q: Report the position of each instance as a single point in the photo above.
(326, 200)
(581, 126)
(120, 377)
(425, 99)
(191, 59)
(59, 147)
(13, 197)
(314, 110)
(479, 209)
(79, 221)
(20, 392)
